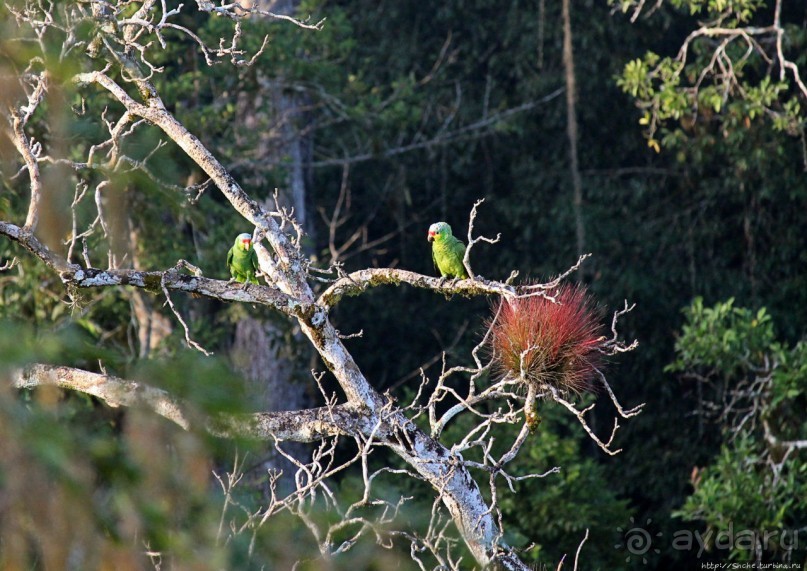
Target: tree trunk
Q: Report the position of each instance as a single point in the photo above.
(571, 131)
(115, 207)
(261, 354)
(264, 350)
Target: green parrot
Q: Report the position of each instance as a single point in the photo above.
(242, 260)
(447, 251)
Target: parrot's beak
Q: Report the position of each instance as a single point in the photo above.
(245, 244)
(430, 237)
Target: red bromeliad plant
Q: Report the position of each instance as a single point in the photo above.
(550, 343)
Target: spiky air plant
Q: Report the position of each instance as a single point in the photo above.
(551, 345)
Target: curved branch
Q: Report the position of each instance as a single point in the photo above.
(430, 459)
(112, 390)
(24, 148)
(309, 425)
(75, 275)
(360, 281)
(156, 113)
(466, 259)
(580, 415)
(29, 150)
(28, 241)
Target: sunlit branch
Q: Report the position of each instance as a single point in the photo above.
(605, 446)
(360, 281)
(466, 260)
(579, 548)
(75, 275)
(8, 265)
(26, 149)
(309, 425)
(112, 390)
(191, 343)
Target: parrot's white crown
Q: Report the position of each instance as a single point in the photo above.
(245, 236)
(439, 227)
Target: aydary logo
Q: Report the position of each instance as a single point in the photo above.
(638, 541)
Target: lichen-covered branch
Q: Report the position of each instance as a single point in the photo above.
(172, 279)
(112, 390)
(360, 281)
(310, 425)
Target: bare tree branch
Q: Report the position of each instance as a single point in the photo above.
(309, 425)
(74, 275)
(466, 259)
(443, 138)
(112, 390)
(28, 150)
(360, 281)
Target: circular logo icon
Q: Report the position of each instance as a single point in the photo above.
(637, 540)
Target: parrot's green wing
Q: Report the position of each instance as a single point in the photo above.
(457, 253)
(240, 264)
(447, 255)
(253, 267)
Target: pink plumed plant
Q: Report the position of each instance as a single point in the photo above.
(550, 343)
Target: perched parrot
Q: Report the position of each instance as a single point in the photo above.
(447, 251)
(242, 260)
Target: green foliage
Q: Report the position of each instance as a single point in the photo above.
(724, 338)
(790, 377)
(736, 11)
(753, 488)
(100, 488)
(719, 75)
(91, 485)
(740, 494)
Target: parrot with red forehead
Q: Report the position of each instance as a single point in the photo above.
(242, 260)
(447, 251)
